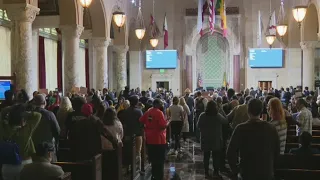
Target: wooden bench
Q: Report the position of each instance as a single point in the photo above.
(297, 174)
(295, 139)
(293, 132)
(293, 167)
(290, 146)
(87, 170)
(66, 176)
(112, 164)
(293, 127)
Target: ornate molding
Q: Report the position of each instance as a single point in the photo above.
(72, 30)
(309, 44)
(22, 12)
(102, 42)
(123, 49)
(229, 11)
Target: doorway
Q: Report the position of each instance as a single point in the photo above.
(163, 84)
(265, 85)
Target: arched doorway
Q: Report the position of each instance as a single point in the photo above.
(212, 64)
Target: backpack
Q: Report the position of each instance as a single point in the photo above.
(199, 105)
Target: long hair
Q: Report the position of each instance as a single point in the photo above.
(212, 108)
(182, 101)
(66, 104)
(276, 111)
(109, 117)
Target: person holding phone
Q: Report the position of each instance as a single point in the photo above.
(155, 132)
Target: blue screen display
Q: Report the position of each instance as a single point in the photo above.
(266, 58)
(161, 59)
(4, 86)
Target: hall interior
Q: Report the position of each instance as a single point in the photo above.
(73, 46)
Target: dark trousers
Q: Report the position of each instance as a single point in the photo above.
(110, 165)
(196, 129)
(156, 157)
(176, 127)
(215, 159)
(190, 119)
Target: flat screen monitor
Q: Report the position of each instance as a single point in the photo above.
(161, 59)
(4, 86)
(266, 58)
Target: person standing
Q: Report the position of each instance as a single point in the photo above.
(155, 131)
(185, 128)
(190, 102)
(176, 114)
(257, 144)
(200, 106)
(304, 118)
(210, 125)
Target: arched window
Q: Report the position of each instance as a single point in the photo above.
(5, 44)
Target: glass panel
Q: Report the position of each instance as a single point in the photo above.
(47, 30)
(82, 41)
(41, 29)
(6, 16)
(1, 14)
(53, 31)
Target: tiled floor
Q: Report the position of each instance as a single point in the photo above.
(188, 167)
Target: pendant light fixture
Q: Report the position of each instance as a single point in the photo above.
(299, 13)
(119, 17)
(85, 3)
(270, 35)
(282, 26)
(154, 31)
(140, 28)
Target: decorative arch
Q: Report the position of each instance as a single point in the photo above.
(212, 59)
(70, 12)
(310, 25)
(99, 19)
(232, 47)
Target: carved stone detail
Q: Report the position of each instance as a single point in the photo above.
(309, 44)
(73, 31)
(22, 12)
(121, 70)
(101, 48)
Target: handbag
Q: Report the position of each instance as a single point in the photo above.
(9, 152)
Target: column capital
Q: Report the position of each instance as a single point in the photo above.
(22, 12)
(72, 30)
(122, 49)
(101, 42)
(309, 44)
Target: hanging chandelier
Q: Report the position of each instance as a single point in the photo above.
(282, 27)
(85, 3)
(271, 30)
(270, 39)
(299, 13)
(119, 17)
(155, 32)
(140, 28)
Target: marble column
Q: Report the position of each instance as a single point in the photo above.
(101, 55)
(121, 66)
(70, 50)
(22, 17)
(308, 48)
(135, 65)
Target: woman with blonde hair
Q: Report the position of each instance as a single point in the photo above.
(278, 119)
(62, 114)
(186, 112)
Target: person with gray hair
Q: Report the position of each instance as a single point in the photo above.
(48, 129)
(239, 114)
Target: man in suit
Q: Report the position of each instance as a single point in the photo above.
(41, 168)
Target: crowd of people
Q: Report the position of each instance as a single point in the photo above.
(252, 122)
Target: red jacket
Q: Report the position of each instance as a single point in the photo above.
(154, 126)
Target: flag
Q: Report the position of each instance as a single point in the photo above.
(202, 6)
(225, 80)
(165, 32)
(260, 30)
(199, 81)
(272, 24)
(223, 16)
(154, 29)
(212, 15)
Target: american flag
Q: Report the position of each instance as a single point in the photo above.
(199, 80)
(212, 15)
